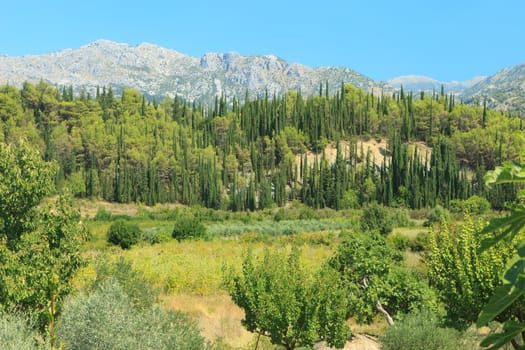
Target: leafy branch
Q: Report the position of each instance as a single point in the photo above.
(513, 279)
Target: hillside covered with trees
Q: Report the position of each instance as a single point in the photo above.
(254, 154)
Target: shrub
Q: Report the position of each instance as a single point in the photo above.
(137, 287)
(399, 242)
(124, 234)
(420, 330)
(475, 205)
(156, 236)
(420, 243)
(375, 218)
(279, 215)
(437, 215)
(307, 213)
(401, 218)
(189, 228)
(102, 214)
(107, 319)
(17, 334)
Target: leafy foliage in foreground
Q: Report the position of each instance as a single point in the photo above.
(508, 301)
(137, 287)
(283, 303)
(107, 319)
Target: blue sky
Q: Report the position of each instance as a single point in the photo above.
(446, 40)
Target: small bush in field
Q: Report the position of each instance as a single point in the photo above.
(279, 215)
(420, 330)
(102, 214)
(475, 205)
(436, 215)
(420, 243)
(189, 228)
(401, 218)
(399, 241)
(124, 234)
(375, 218)
(17, 334)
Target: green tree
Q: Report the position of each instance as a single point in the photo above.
(39, 244)
(367, 266)
(463, 278)
(282, 302)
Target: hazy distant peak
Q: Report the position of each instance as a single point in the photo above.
(411, 79)
(422, 83)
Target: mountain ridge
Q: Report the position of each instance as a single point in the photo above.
(158, 71)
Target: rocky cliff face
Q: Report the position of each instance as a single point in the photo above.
(503, 90)
(158, 71)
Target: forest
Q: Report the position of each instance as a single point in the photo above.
(253, 154)
(314, 217)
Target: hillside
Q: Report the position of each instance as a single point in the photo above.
(157, 71)
(504, 90)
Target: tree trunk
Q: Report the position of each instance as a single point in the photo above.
(385, 313)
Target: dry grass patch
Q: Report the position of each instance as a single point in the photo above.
(217, 315)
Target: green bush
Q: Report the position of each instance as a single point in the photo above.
(399, 241)
(420, 330)
(160, 237)
(17, 334)
(124, 234)
(107, 319)
(437, 215)
(137, 287)
(279, 215)
(189, 228)
(475, 205)
(375, 218)
(401, 218)
(102, 214)
(420, 243)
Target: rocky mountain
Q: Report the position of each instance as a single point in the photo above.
(421, 83)
(157, 71)
(504, 90)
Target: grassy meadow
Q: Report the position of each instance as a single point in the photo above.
(189, 273)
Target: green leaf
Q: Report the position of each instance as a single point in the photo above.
(507, 173)
(517, 267)
(511, 225)
(511, 329)
(502, 298)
